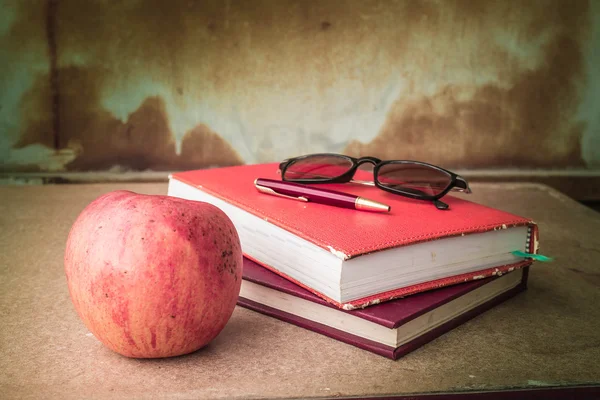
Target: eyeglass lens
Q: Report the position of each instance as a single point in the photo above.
(318, 167)
(414, 178)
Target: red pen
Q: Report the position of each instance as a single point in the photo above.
(296, 191)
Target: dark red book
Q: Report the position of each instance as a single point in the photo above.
(352, 258)
(391, 329)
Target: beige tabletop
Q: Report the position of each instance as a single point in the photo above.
(546, 336)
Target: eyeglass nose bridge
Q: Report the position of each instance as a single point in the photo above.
(367, 159)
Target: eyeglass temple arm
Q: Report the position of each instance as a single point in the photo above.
(462, 185)
(281, 165)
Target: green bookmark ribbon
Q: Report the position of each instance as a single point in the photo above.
(537, 257)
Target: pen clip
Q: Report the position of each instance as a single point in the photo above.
(274, 193)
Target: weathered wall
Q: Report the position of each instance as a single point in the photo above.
(160, 85)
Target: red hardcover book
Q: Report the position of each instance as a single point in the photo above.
(391, 329)
(356, 258)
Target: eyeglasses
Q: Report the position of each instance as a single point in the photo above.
(413, 179)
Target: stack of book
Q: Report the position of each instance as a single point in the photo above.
(385, 282)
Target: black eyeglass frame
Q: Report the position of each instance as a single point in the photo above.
(457, 182)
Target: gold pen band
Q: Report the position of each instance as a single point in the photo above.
(274, 193)
(370, 205)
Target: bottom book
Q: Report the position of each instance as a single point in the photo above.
(391, 329)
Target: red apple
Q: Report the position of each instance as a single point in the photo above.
(153, 276)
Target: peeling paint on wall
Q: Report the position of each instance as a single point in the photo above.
(189, 84)
(589, 111)
(100, 141)
(522, 116)
(23, 51)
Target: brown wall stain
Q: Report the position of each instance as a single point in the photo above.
(63, 110)
(529, 123)
(103, 142)
(235, 53)
(201, 146)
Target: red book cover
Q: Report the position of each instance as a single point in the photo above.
(409, 221)
(391, 314)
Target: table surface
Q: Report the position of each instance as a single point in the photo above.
(546, 336)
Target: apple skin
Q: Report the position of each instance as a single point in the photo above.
(153, 276)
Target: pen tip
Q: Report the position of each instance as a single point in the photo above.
(371, 205)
